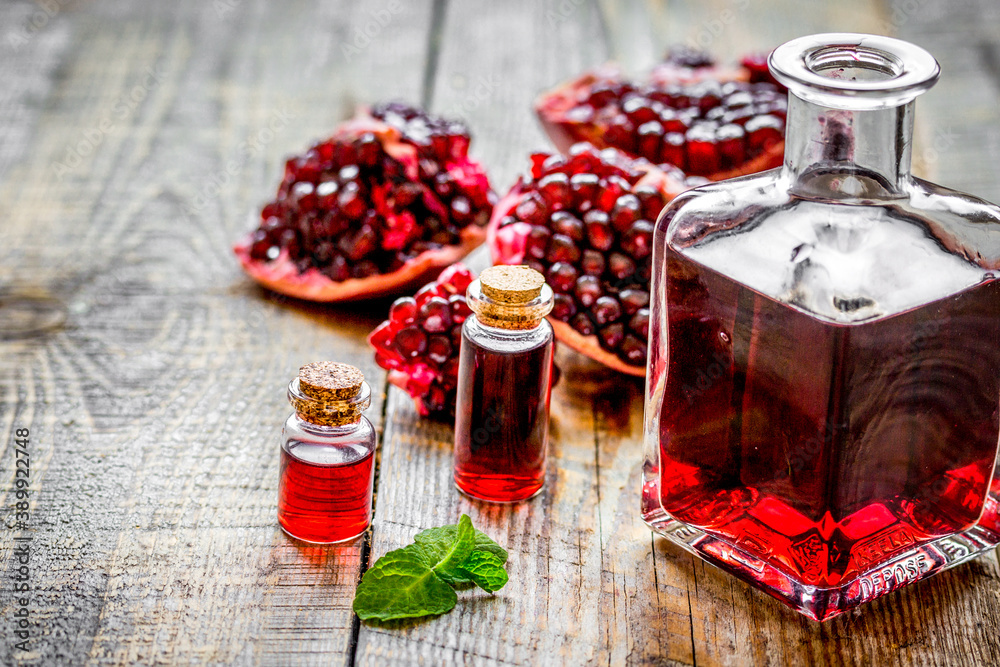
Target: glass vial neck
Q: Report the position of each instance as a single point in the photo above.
(850, 113)
(848, 153)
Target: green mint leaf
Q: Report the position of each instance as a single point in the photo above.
(436, 542)
(465, 542)
(400, 585)
(486, 570)
(445, 549)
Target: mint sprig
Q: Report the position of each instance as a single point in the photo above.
(418, 579)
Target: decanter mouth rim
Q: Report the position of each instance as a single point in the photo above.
(854, 70)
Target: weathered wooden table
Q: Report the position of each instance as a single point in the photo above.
(153, 413)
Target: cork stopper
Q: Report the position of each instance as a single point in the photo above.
(511, 284)
(330, 381)
(329, 394)
(510, 297)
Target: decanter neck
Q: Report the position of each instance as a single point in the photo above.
(850, 113)
(855, 154)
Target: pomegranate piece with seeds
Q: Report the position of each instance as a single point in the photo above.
(420, 342)
(593, 245)
(384, 205)
(706, 120)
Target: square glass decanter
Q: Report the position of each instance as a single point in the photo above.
(824, 370)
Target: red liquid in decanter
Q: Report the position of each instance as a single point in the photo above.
(824, 448)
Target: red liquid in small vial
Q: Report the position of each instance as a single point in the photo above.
(502, 421)
(825, 449)
(324, 492)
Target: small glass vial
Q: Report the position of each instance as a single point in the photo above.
(824, 367)
(504, 383)
(327, 455)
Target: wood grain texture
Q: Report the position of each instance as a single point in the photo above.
(155, 412)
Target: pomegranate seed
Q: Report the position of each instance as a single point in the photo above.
(461, 211)
(633, 299)
(620, 266)
(350, 200)
(649, 140)
(582, 324)
(730, 139)
(369, 150)
(338, 269)
(632, 350)
(640, 323)
(639, 109)
(428, 291)
(562, 277)
(606, 309)
(563, 307)
(435, 315)
(638, 240)
(411, 342)
(459, 308)
(702, 154)
(403, 311)
(673, 149)
(611, 336)
(555, 189)
(651, 200)
(289, 240)
(438, 349)
(763, 132)
(598, 228)
(567, 224)
(537, 241)
(626, 211)
(259, 244)
(562, 249)
(592, 263)
(532, 209)
(583, 187)
(587, 290)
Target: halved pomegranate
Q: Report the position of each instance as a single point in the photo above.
(382, 206)
(706, 120)
(585, 221)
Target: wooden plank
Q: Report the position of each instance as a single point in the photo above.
(155, 413)
(548, 612)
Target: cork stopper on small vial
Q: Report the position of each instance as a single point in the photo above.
(330, 381)
(511, 284)
(510, 297)
(329, 394)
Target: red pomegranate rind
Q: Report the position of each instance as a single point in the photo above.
(569, 208)
(282, 276)
(418, 205)
(672, 128)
